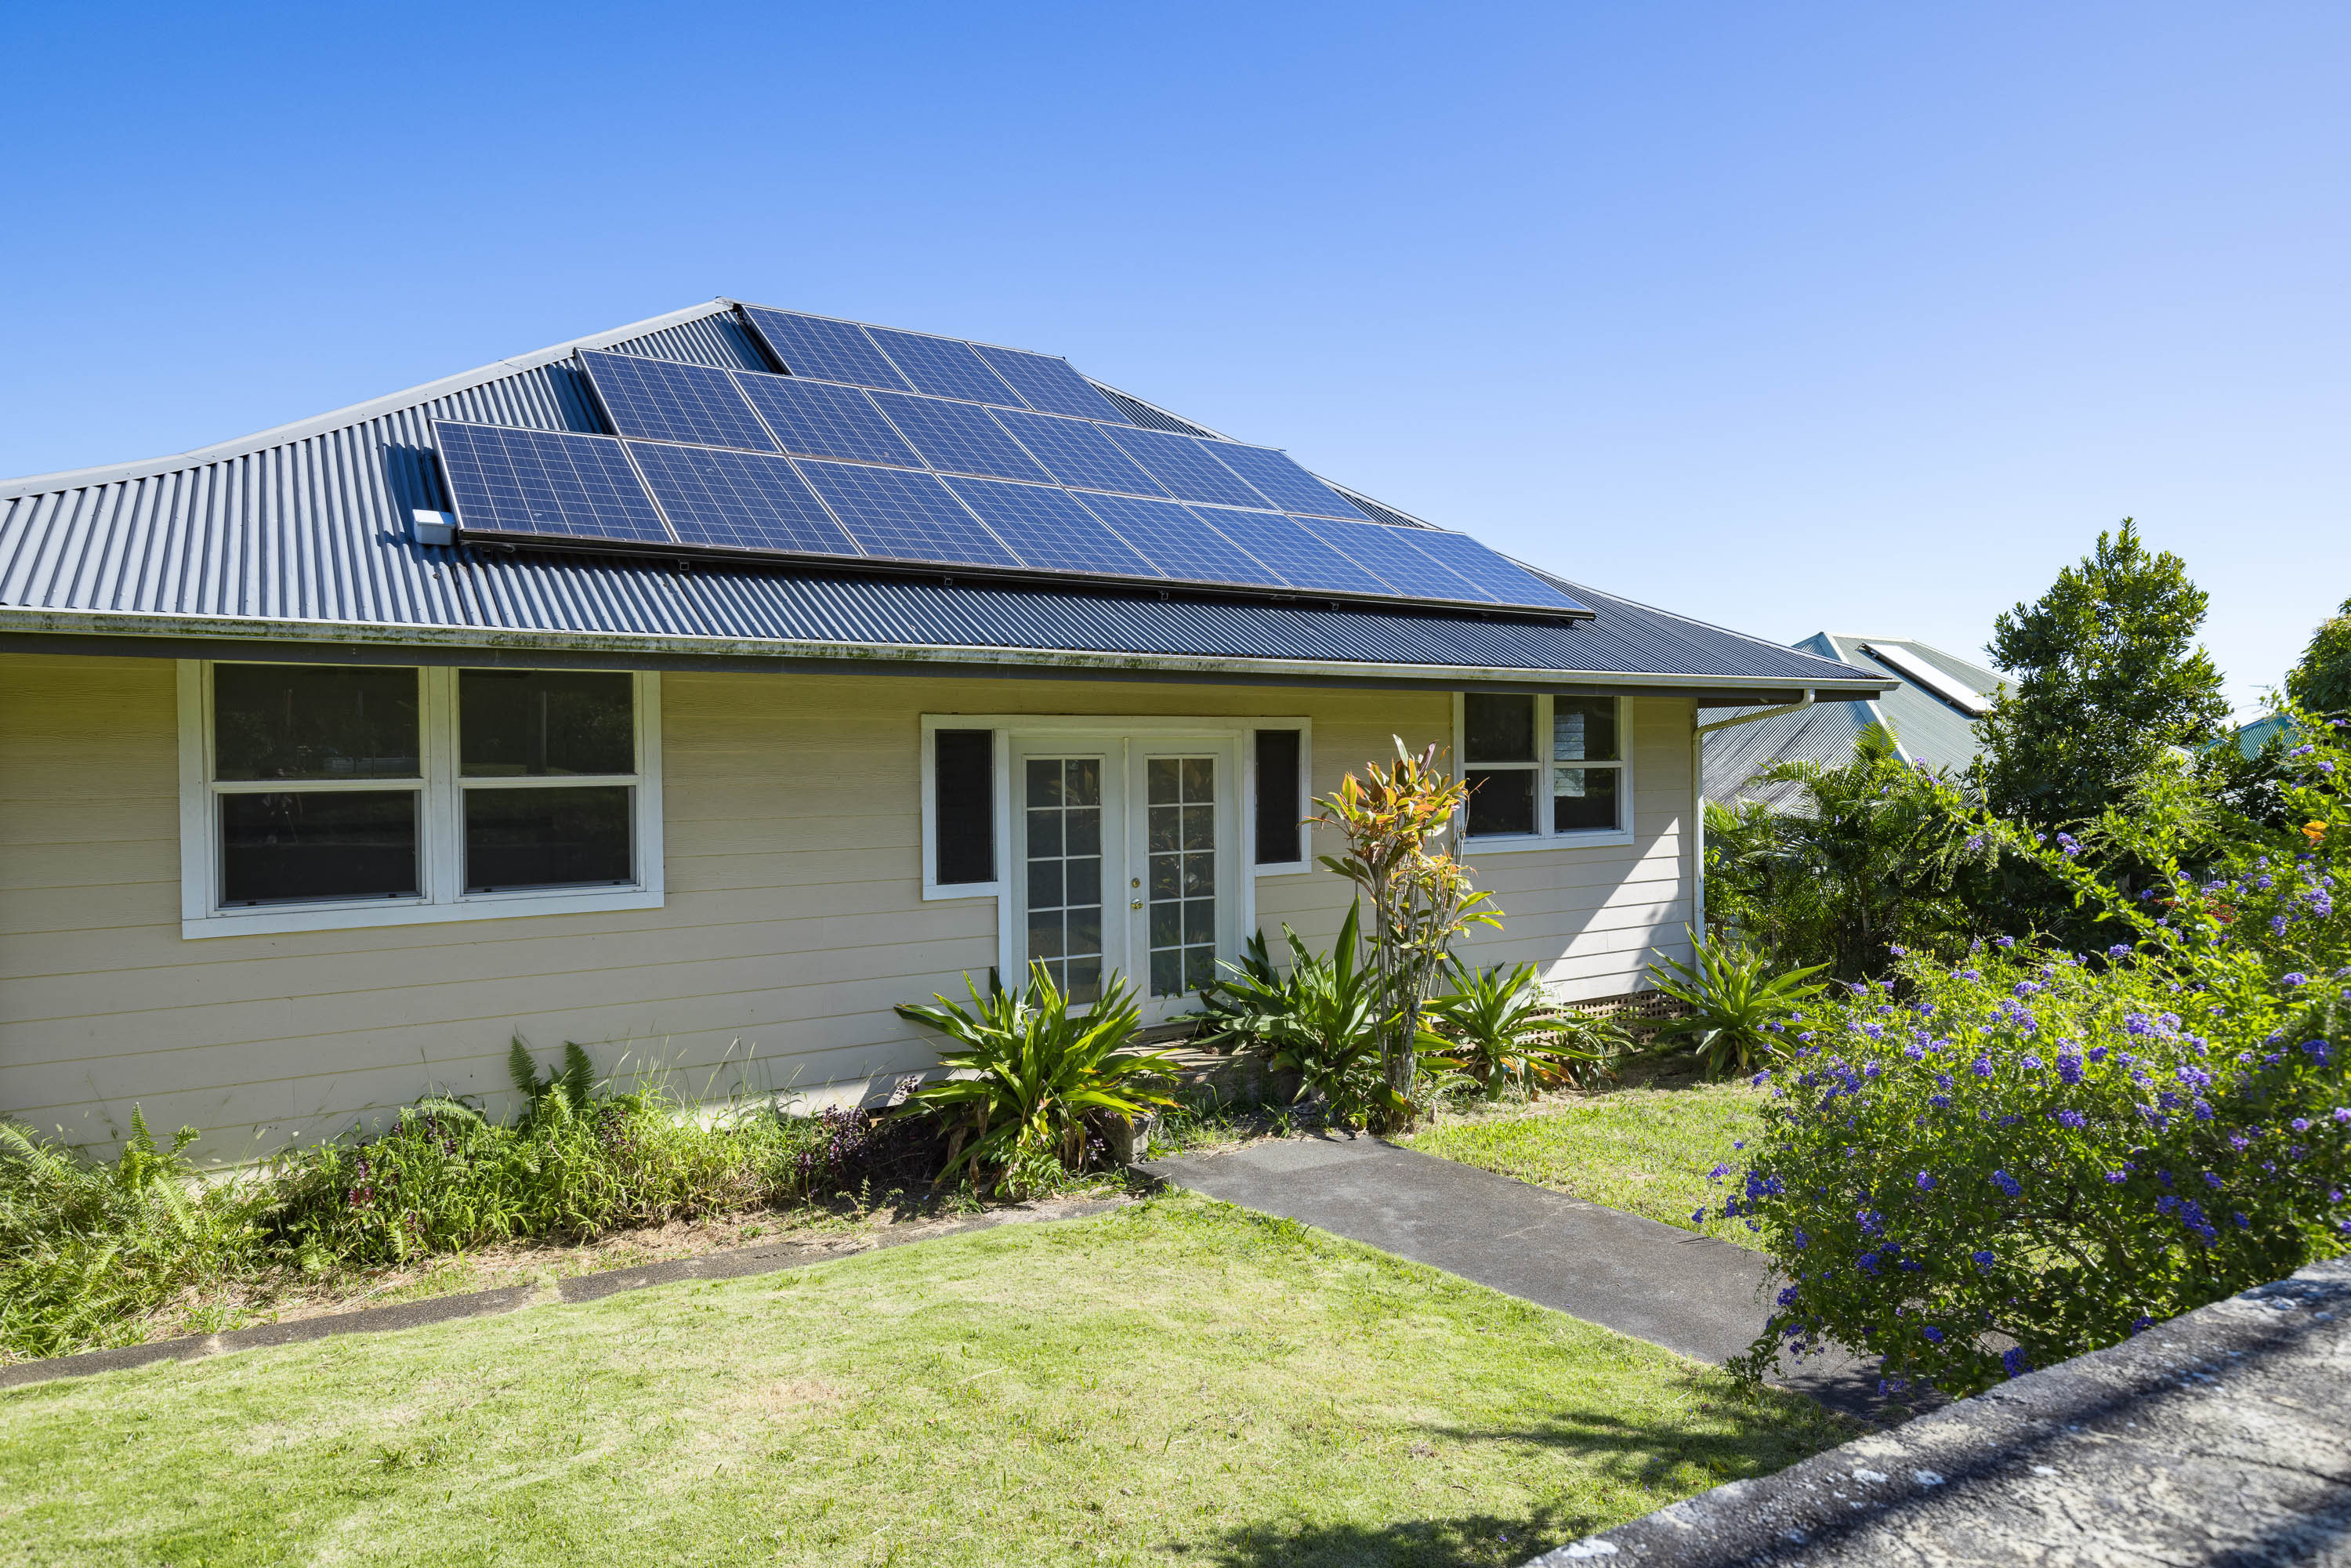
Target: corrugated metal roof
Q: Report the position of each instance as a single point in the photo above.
(1929, 729)
(303, 531)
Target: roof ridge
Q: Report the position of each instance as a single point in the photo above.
(1685, 619)
(351, 415)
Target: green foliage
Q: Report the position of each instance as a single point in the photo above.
(1877, 852)
(1737, 1003)
(2056, 1149)
(2321, 681)
(1497, 1027)
(2106, 676)
(1028, 1074)
(575, 1084)
(1322, 1019)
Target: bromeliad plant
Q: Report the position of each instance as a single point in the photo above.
(1737, 1006)
(1028, 1073)
(1421, 900)
(1992, 1165)
(1320, 1021)
(1496, 1026)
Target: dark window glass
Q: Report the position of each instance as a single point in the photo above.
(963, 781)
(1583, 798)
(313, 721)
(546, 838)
(1498, 728)
(1277, 796)
(1501, 801)
(281, 849)
(536, 723)
(1584, 729)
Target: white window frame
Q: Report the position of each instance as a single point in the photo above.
(1241, 731)
(441, 844)
(1545, 837)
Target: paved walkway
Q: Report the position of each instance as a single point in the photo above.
(1691, 1293)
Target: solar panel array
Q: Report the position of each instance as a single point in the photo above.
(901, 448)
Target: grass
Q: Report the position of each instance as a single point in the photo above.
(1643, 1148)
(1178, 1381)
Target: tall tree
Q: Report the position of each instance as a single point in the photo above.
(2105, 675)
(2322, 682)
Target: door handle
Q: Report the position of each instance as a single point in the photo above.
(1136, 903)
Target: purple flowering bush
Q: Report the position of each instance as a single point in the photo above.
(1975, 1168)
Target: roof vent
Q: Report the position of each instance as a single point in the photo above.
(430, 528)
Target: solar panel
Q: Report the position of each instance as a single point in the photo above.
(1186, 468)
(1507, 581)
(1077, 454)
(944, 367)
(1179, 543)
(1283, 482)
(544, 482)
(818, 419)
(666, 401)
(1050, 383)
(1047, 528)
(958, 436)
(1388, 554)
(827, 350)
(738, 500)
(1297, 557)
(899, 515)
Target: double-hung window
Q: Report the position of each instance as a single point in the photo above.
(1544, 769)
(320, 796)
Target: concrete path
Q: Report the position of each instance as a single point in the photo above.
(1691, 1293)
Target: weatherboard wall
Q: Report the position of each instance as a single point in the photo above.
(793, 918)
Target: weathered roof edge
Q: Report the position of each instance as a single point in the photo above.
(135, 623)
(354, 414)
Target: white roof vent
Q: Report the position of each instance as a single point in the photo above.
(430, 528)
(1919, 673)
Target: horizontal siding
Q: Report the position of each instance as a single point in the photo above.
(793, 921)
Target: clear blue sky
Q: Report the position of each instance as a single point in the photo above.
(1860, 318)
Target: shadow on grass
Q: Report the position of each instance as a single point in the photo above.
(1462, 1540)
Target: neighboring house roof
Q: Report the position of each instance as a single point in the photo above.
(2252, 737)
(1926, 708)
(302, 533)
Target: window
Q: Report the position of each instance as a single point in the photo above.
(318, 796)
(1545, 769)
(1281, 796)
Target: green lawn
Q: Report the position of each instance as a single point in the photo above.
(1643, 1148)
(1178, 1381)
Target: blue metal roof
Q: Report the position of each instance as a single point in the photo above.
(303, 533)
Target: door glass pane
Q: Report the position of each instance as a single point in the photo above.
(1180, 840)
(546, 838)
(1584, 729)
(279, 849)
(1501, 801)
(1062, 798)
(313, 721)
(535, 722)
(1583, 798)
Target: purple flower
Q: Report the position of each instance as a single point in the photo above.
(2299, 1124)
(2007, 1183)
(1983, 1261)
(2015, 1361)
(2116, 1179)
(1927, 1183)
(1898, 950)
(1801, 1239)
(2295, 978)
(2119, 950)
(2068, 1118)
(2068, 1068)
(2316, 1051)
(1697, 1215)
(1981, 1067)
(1934, 1334)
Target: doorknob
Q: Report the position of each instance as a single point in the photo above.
(1137, 903)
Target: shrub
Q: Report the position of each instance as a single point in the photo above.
(1029, 1073)
(1320, 1021)
(1997, 1164)
(1496, 1026)
(1736, 1003)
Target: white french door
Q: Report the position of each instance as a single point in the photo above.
(1126, 860)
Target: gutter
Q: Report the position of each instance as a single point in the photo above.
(1698, 798)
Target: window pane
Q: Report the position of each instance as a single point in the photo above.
(538, 722)
(1277, 796)
(963, 781)
(1498, 728)
(1584, 729)
(546, 838)
(277, 849)
(1501, 802)
(1583, 798)
(313, 721)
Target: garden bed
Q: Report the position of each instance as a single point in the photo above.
(1175, 1382)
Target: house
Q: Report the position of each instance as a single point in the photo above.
(337, 755)
(1931, 702)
